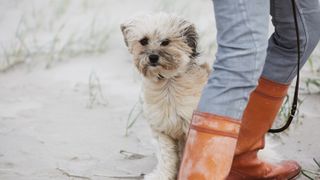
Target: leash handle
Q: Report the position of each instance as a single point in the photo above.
(296, 91)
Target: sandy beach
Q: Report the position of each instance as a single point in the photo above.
(68, 92)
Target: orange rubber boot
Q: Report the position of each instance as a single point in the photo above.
(263, 106)
(210, 147)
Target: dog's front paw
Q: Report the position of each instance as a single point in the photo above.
(151, 176)
(158, 176)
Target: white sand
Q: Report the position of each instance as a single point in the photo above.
(46, 126)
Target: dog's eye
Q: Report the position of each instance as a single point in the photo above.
(165, 42)
(144, 41)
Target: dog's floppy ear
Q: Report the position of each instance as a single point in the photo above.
(123, 28)
(191, 36)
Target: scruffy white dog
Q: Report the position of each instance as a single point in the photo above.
(164, 49)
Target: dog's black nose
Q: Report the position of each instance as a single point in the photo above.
(153, 58)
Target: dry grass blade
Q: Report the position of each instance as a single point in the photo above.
(310, 62)
(72, 175)
(133, 116)
(317, 163)
(313, 175)
(306, 175)
(131, 155)
(96, 96)
(309, 173)
(313, 83)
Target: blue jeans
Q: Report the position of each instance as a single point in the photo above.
(245, 53)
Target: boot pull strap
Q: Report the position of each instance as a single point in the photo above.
(296, 91)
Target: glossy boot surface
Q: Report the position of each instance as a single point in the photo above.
(261, 111)
(209, 148)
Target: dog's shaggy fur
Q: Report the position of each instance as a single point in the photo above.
(173, 81)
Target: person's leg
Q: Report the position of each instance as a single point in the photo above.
(281, 61)
(242, 30)
(263, 106)
(266, 99)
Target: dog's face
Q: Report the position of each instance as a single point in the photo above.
(162, 45)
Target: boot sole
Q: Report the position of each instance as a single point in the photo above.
(295, 176)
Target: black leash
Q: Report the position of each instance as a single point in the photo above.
(296, 91)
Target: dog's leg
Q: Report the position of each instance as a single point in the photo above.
(181, 144)
(167, 155)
